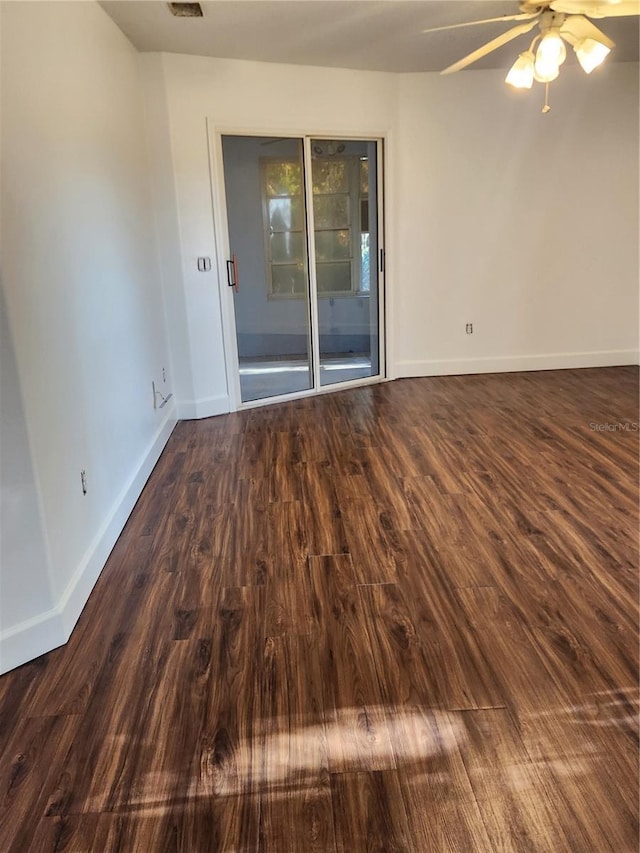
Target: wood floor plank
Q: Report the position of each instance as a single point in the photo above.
(110, 732)
(285, 468)
(356, 723)
(442, 459)
(465, 674)
(468, 563)
(441, 816)
(223, 803)
(586, 755)
(287, 591)
(513, 801)
(441, 806)
(369, 813)
(323, 516)
(27, 776)
(431, 512)
(399, 617)
(70, 834)
(155, 782)
(516, 661)
(582, 585)
(17, 692)
(238, 534)
(134, 832)
(380, 483)
(373, 541)
(296, 809)
(408, 680)
(90, 654)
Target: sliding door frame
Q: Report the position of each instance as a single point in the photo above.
(223, 252)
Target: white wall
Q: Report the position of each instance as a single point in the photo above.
(524, 224)
(25, 589)
(163, 193)
(79, 268)
(258, 98)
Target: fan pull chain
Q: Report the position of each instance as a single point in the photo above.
(546, 107)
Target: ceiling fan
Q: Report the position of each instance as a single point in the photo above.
(558, 21)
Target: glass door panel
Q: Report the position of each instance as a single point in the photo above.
(264, 186)
(345, 216)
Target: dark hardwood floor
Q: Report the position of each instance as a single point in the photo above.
(399, 618)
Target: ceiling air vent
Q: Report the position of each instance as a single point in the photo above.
(185, 10)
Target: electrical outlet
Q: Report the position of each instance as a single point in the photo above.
(83, 480)
(469, 328)
(164, 375)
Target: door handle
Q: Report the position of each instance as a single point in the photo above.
(232, 272)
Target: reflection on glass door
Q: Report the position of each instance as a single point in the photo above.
(345, 219)
(264, 185)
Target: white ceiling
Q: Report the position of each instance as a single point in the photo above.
(384, 35)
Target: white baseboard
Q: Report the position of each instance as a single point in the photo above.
(47, 631)
(205, 407)
(30, 639)
(516, 363)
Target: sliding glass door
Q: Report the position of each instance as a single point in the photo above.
(305, 261)
(268, 269)
(345, 230)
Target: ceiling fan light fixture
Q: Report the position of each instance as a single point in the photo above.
(520, 74)
(545, 73)
(551, 50)
(591, 53)
(550, 55)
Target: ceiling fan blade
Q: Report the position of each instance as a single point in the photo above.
(577, 27)
(494, 44)
(522, 16)
(597, 8)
